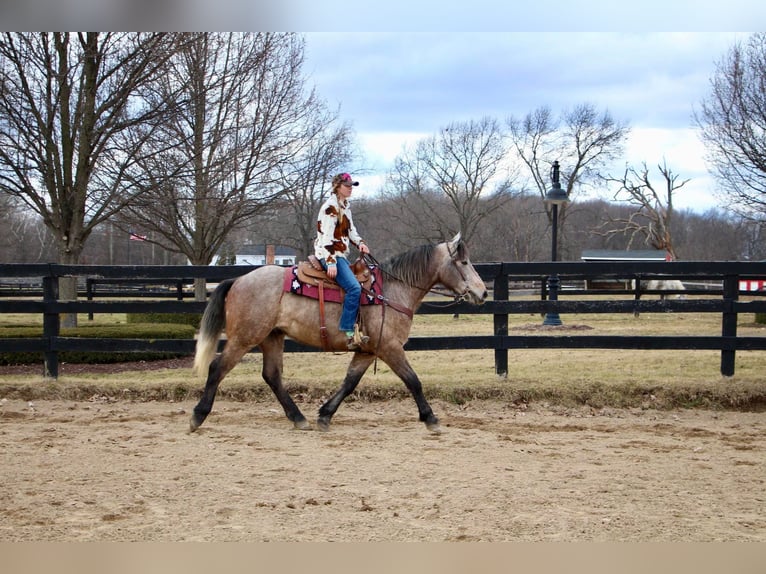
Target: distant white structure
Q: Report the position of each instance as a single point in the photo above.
(606, 255)
(262, 255)
(624, 255)
(634, 255)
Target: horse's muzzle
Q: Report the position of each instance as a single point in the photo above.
(473, 297)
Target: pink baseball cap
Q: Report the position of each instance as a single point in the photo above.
(343, 178)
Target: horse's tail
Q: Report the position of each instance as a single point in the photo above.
(211, 327)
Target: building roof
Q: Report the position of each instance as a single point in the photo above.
(624, 255)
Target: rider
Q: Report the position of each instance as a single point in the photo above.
(335, 231)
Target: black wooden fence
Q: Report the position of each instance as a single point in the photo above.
(721, 296)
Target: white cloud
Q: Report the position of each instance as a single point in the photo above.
(683, 153)
(383, 147)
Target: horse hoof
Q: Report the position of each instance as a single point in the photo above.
(323, 424)
(435, 428)
(193, 425)
(302, 425)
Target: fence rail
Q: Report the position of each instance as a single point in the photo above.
(723, 300)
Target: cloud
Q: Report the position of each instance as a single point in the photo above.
(424, 81)
(683, 152)
(383, 147)
(396, 88)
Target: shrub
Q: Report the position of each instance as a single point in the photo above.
(134, 331)
(192, 319)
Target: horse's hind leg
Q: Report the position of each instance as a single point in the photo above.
(218, 369)
(272, 348)
(359, 365)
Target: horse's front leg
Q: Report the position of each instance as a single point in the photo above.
(359, 365)
(401, 366)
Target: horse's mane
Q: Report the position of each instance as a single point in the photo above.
(409, 267)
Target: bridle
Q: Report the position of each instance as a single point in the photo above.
(459, 297)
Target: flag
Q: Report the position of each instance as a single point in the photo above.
(136, 237)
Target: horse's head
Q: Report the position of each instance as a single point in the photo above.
(458, 274)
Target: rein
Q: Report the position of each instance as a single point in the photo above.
(458, 298)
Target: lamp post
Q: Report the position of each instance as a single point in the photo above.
(555, 197)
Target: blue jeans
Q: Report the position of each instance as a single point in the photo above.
(347, 280)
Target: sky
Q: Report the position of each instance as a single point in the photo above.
(397, 88)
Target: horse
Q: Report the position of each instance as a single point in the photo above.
(255, 310)
(666, 285)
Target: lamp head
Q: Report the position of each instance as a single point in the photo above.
(556, 195)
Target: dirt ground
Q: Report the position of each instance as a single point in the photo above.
(106, 470)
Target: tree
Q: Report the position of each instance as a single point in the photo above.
(419, 211)
(306, 180)
(65, 99)
(464, 163)
(652, 214)
(582, 140)
(736, 239)
(513, 232)
(732, 123)
(220, 160)
(24, 238)
(67, 104)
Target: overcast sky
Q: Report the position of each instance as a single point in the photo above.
(395, 88)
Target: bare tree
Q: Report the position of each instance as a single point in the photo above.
(306, 181)
(652, 214)
(513, 232)
(464, 163)
(582, 140)
(221, 159)
(24, 238)
(416, 205)
(732, 123)
(66, 100)
(735, 237)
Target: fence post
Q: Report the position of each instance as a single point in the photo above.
(729, 323)
(500, 290)
(89, 294)
(51, 326)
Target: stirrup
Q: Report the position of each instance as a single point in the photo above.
(355, 343)
(352, 345)
(359, 337)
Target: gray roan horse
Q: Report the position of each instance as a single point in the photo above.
(255, 311)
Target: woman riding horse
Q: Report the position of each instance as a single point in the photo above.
(335, 231)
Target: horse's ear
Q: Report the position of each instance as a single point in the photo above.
(453, 246)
